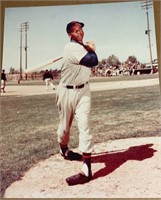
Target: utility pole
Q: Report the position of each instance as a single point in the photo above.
(20, 78)
(146, 5)
(23, 27)
(26, 27)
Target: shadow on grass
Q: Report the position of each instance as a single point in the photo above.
(114, 160)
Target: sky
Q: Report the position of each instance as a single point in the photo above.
(116, 28)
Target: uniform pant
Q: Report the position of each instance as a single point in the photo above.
(48, 82)
(74, 103)
(3, 84)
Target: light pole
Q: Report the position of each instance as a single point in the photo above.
(146, 5)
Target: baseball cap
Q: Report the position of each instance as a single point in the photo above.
(71, 24)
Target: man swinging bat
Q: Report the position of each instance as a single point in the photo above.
(73, 99)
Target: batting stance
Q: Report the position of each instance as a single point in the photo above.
(74, 99)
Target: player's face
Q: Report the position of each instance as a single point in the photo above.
(77, 33)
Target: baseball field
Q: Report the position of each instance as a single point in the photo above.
(29, 122)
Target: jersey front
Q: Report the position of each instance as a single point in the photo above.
(72, 72)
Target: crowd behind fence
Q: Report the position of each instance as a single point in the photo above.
(99, 71)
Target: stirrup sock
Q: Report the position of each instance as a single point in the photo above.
(86, 168)
(63, 149)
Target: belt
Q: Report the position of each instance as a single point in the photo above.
(76, 86)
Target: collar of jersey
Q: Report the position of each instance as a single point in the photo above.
(71, 40)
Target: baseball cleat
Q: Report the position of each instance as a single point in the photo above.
(78, 179)
(70, 155)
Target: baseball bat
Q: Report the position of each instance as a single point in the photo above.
(37, 68)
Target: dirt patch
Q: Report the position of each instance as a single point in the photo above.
(128, 168)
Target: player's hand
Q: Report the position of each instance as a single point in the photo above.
(90, 46)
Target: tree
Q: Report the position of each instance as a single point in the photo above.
(131, 60)
(103, 63)
(12, 70)
(113, 61)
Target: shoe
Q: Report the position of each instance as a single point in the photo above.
(70, 155)
(78, 179)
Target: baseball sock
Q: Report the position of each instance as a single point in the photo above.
(86, 168)
(63, 149)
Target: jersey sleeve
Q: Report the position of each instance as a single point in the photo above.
(90, 59)
(74, 52)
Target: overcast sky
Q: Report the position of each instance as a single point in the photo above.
(116, 28)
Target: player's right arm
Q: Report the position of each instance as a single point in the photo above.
(90, 59)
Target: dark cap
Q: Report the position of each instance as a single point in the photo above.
(71, 24)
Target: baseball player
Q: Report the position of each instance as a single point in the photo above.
(73, 99)
(3, 80)
(47, 77)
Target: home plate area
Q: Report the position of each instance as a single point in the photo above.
(126, 168)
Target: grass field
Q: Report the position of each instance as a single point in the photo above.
(29, 124)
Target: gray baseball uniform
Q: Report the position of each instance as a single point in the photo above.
(73, 94)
